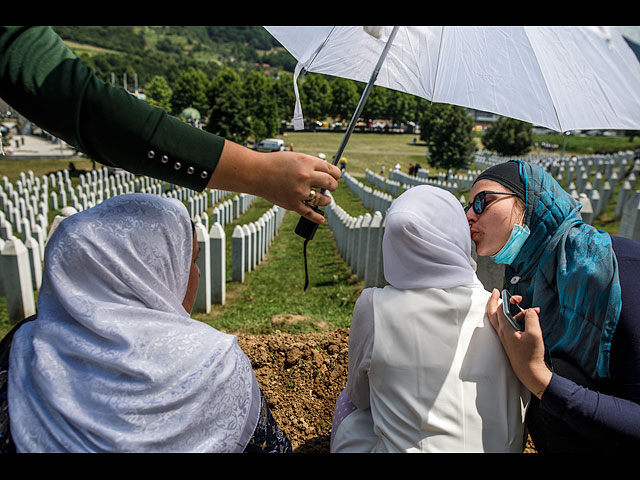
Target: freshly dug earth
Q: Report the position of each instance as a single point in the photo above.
(301, 377)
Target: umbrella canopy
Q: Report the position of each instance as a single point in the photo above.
(562, 78)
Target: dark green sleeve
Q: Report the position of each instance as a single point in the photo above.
(43, 80)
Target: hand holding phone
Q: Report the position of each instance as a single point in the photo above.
(512, 311)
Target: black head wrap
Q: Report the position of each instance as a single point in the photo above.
(506, 174)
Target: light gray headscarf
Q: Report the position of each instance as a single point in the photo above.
(113, 362)
(426, 241)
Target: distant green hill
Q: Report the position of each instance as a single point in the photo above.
(134, 39)
(146, 51)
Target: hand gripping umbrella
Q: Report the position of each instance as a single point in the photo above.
(562, 78)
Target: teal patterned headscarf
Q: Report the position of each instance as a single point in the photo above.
(568, 269)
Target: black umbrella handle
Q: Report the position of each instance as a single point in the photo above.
(307, 229)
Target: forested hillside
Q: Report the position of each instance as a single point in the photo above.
(147, 51)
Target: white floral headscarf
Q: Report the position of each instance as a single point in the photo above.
(113, 362)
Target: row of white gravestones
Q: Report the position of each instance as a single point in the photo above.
(372, 199)
(359, 242)
(31, 199)
(398, 182)
(411, 180)
(224, 213)
(21, 213)
(21, 270)
(212, 244)
(386, 185)
(21, 263)
(250, 242)
(567, 169)
(19, 274)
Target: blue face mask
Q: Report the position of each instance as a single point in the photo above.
(509, 252)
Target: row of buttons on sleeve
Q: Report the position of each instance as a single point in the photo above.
(177, 165)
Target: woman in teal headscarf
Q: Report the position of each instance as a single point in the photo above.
(581, 356)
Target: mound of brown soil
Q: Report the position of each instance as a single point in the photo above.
(301, 377)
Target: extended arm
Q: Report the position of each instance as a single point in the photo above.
(42, 79)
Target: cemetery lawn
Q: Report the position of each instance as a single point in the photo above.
(272, 296)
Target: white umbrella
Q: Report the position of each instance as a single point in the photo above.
(562, 78)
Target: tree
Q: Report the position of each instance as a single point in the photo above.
(345, 98)
(315, 95)
(190, 90)
(284, 95)
(509, 136)
(262, 108)
(166, 45)
(401, 107)
(158, 93)
(447, 130)
(228, 114)
(376, 106)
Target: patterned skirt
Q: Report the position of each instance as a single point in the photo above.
(267, 438)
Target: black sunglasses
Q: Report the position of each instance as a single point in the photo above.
(480, 201)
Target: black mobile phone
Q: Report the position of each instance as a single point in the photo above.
(512, 311)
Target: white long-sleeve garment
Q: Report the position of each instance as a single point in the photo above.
(426, 369)
(113, 362)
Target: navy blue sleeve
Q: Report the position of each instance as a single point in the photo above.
(611, 419)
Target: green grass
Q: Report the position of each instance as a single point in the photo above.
(12, 168)
(586, 145)
(363, 150)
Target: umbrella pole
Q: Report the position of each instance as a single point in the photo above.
(306, 228)
(364, 97)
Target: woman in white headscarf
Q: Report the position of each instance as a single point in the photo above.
(113, 362)
(426, 369)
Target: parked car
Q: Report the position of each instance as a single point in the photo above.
(271, 145)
